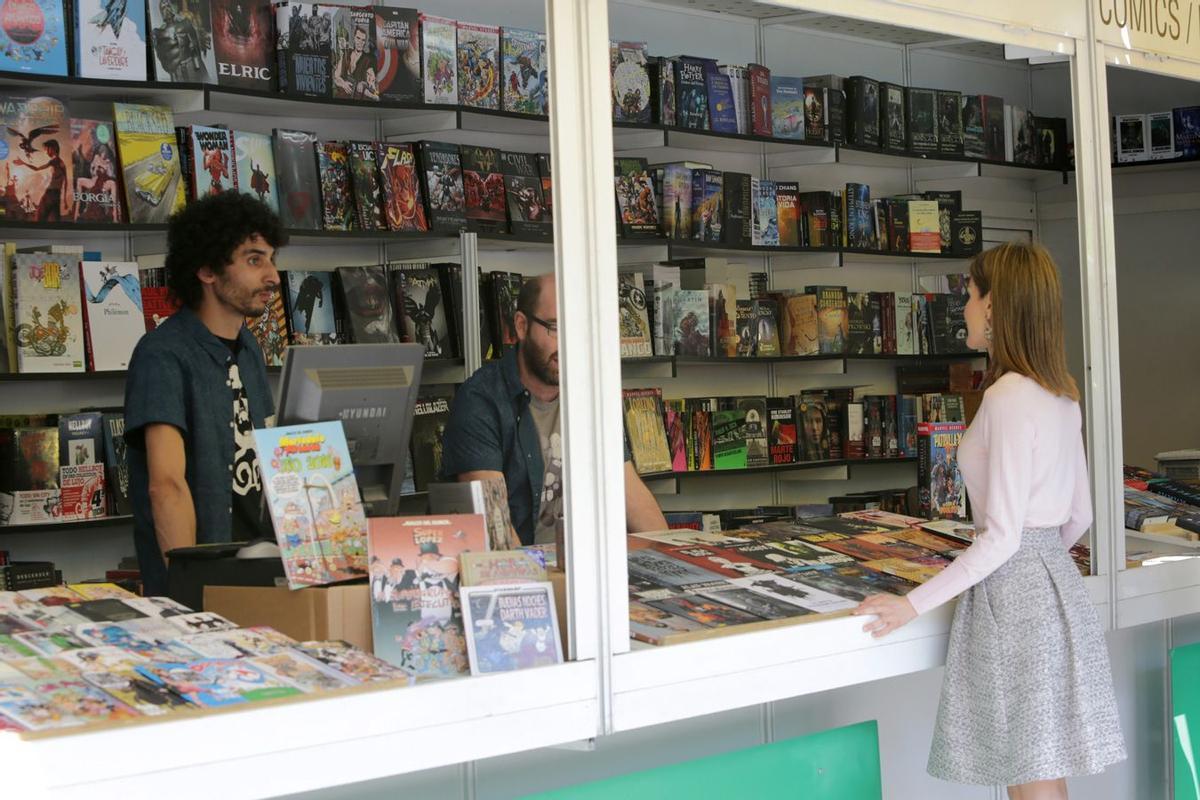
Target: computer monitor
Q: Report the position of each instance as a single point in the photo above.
(372, 389)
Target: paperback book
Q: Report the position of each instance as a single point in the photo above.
(36, 162)
(365, 297)
(510, 627)
(439, 59)
(398, 54)
(255, 170)
(299, 183)
(154, 186)
(403, 205)
(110, 40)
(338, 211)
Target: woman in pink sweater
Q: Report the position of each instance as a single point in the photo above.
(1027, 698)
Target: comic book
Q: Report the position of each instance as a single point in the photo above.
(663, 570)
(756, 603)
(655, 626)
(630, 82)
(442, 186)
(636, 206)
(37, 164)
(181, 40)
(354, 57)
(302, 672)
(364, 296)
(110, 40)
(210, 644)
(60, 704)
(270, 329)
(136, 691)
(502, 567)
(421, 306)
(311, 314)
(908, 569)
(50, 642)
(298, 182)
(943, 492)
(528, 214)
(404, 208)
(200, 621)
(488, 497)
(217, 682)
(154, 185)
(691, 314)
(478, 65)
(160, 607)
(419, 626)
(368, 191)
(483, 189)
(39, 668)
(49, 322)
(398, 54)
(243, 37)
(788, 590)
(961, 530)
(106, 609)
(100, 591)
(255, 171)
(97, 193)
(439, 59)
(510, 627)
(304, 48)
(635, 320)
(506, 288)
(313, 498)
(33, 37)
(112, 295)
(431, 414)
(212, 164)
(348, 660)
(99, 658)
(337, 199)
(703, 611)
(525, 89)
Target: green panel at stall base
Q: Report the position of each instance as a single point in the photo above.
(1185, 713)
(839, 764)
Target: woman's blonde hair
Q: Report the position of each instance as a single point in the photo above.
(1027, 328)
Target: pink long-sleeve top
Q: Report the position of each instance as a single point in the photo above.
(1023, 462)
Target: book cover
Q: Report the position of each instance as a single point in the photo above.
(439, 59)
(110, 40)
(116, 464)
(181, 40)
(97, 194)
(365, 297)
(942, 491)
(707, 198)
(974, 141)
(211, 163)
(528, 214)
(544, 167)
(924, 226)
(993, 127)
(421, 310)
(787, 209)
(723, 319)
(790, 589)
(691, 315)
(765, 216)
(755, 430)
(154, 186)
(949, 123)
(860, 217)
(305, 48)
(862, 112)
(525, 88)
(36, 162)
(815, 443)
(691, 93)
(367, 189)
(270, 330)
(815, 230)
(353, 56)
(311, 315)
(815, 108)
(787, 107)
(636, 206)
(644, 426)
(136, 691)
(766, 327)
(1024, 136)
(1050, 140)
(655, 626)
(729, 441)
(859, 324)
(296, 669)
(906, 342)
(505, 567)
(113, 308)
(397, 54)
(761, 114)
(635, 321)
(419, 627)
(747, 328)
(404, 208)
(1131, 138)
(60, 704)
(49, 322)
(442, 185)
(782, 434)
(348, 660)
(243, 39)
(922, 120)
(298, 181)
(506, 288)
(630, 82)
(256, 167)
(489, 498)
(1185, 123)
(798, 325)
(736, 226)
(1161, 136)
(312, 496)
(33, 37)
(217, 682)
(907, 415)
(430, 416)
(894, 121)
(338, 210)
(510, 627)
(478, 65)
(677, 201)
(483, 189)
(722, 114)
(677, 423)
(703, 611)
(833, 324)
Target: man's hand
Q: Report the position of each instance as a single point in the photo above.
(892, 612)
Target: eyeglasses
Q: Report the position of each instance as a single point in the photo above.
(551, 327)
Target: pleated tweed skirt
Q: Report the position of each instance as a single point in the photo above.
(1028, 692)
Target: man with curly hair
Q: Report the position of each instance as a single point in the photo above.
(197, 386)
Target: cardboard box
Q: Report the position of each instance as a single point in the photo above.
(315, 613)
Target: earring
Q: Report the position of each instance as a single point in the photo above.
(987, 331)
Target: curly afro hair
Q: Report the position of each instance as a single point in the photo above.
(207, 232)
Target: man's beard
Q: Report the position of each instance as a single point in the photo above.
(541, 365)
(245, 303)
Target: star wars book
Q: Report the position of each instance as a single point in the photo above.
(691, 331)
(256, 167)
(312, 496)
(528, 214)
(442, 185)
(630, 79)
(211, 161)
(397, 54)
(510, 627)
(33, 37)
(787, 107)
(833, 324)
(636, 206)
(1185, 124)
(483, 189)
(635, 320)
(942, 491)
(243, 37)
(765, 215)
(922, 120)
(154, 186)
(365, 297)
(181, 41)
(49, 322)
(97, 194)
(37, 163)
(421, 309)
(691, 93)
(298, 183)
(110, 40)
(403, 205)
(949, 123)
(337, 197)
(644, 427)
(525, 87)
(431, 415)
(217, 682)
(354, 56)
(418, 627)
(439, 59)
(478, 65)
(304, 48)
(312, 317)
(368, 190)
(112, 310)
(270, 330)
(798, 332)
